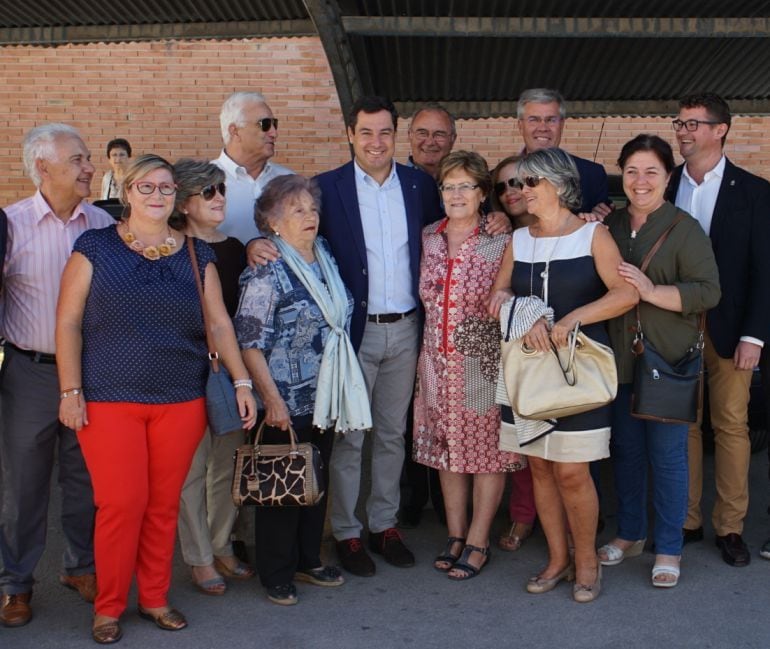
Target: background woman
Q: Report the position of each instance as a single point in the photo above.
(456, 420)
(681, 281)
(283, 328)
(132, 365)
(119, 155)
(207, 513)
(508, 197)
(573, 266)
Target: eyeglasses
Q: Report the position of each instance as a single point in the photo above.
(424, 134)
(691, 124)
(266, 123)
(463, 188)
(147, 188)
(532, 181)
(209, 191)
(553, 120)
(513, 183)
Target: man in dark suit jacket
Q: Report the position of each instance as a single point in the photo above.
(541, 114)
(733, 206)
(372, 213)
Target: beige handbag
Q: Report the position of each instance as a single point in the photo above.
(561, 382)
(278, 475)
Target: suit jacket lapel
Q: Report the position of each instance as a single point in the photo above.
(673, 184)
(725, 201)
(413, 216)
(346, 187)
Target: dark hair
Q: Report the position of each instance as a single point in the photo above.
(371, 104)
(471, 163)
(277, 192)
(651, 143)
(494, 199)
(715, 106)
(118, 143)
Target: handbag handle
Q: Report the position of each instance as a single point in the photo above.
(637, 346)
(213, 355)
(569, 372)
(258, 437)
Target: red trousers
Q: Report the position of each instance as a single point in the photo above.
(138, 456)
(521, 503)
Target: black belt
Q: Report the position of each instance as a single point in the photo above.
(37, 357)
(387, 318)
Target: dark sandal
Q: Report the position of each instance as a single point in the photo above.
(470, 571)
(446, 556)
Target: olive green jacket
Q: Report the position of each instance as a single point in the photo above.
(685, 260)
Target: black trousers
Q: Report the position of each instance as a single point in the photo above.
(288, 539)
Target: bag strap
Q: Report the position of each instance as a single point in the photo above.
(569, 372)
(213, 355)
(644, 265)
(291, 432)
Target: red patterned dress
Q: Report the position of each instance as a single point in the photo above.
(456, 420)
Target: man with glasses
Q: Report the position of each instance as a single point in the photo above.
(373, 211)
(732, 207)
(41, 231)
(249, 132)
(541, 113)
(431, 136)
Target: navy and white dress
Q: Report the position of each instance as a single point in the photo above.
(572, 281)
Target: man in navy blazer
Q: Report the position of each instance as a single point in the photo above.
(372, 214)
(541, 113)
(733, 206)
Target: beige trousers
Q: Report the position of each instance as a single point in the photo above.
(729, 408)
(207, 512)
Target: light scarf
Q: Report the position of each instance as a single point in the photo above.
(341, 396)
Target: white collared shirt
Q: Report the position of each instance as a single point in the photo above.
(383, 218)
(39, 245)
(699, 200)
(242, 192)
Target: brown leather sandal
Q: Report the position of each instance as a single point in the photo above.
(513, 539)
(107, 633)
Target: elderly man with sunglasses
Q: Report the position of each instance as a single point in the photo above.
(249, 132)
(732, 207)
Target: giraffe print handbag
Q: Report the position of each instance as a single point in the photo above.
(277, 475)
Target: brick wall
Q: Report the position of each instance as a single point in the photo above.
(165, 97)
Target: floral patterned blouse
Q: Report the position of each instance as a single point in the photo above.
(456, 419)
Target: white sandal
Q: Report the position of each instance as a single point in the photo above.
(665, 569)
(615, 555)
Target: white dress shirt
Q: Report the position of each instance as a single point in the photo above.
(383, 217)
(242, 192)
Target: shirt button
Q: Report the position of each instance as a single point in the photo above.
(363, 270)
(363, 303)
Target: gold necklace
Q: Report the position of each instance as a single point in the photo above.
(148, 252)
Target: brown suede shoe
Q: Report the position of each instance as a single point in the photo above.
(84, 584)
(15, 609)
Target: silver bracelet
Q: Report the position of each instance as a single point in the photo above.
(243, 383)
(73, 392)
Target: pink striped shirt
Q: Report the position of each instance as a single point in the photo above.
(39, 245)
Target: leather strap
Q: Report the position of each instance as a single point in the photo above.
(213, 355)
(643, 267)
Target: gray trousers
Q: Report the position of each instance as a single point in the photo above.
(30, 434)
(388, 357)
(206, 509)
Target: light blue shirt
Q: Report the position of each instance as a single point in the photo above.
(383, 218)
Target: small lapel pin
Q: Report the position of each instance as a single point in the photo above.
(732, 183)
(414, 186)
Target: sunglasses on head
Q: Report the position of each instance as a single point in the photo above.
(266, 123)
(209, 191)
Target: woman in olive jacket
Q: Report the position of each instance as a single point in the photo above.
(680, 282)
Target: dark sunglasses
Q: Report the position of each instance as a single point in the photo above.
(513, 183)
(532, 181)
(266, 122)
(209, 191)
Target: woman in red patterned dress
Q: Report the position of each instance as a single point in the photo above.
(456, 420)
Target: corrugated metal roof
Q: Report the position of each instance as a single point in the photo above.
(619, 57)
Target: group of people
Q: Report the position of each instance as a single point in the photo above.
(325, 299)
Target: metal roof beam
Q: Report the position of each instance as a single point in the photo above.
(63, 34)
(586, 108)
(567, 27)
